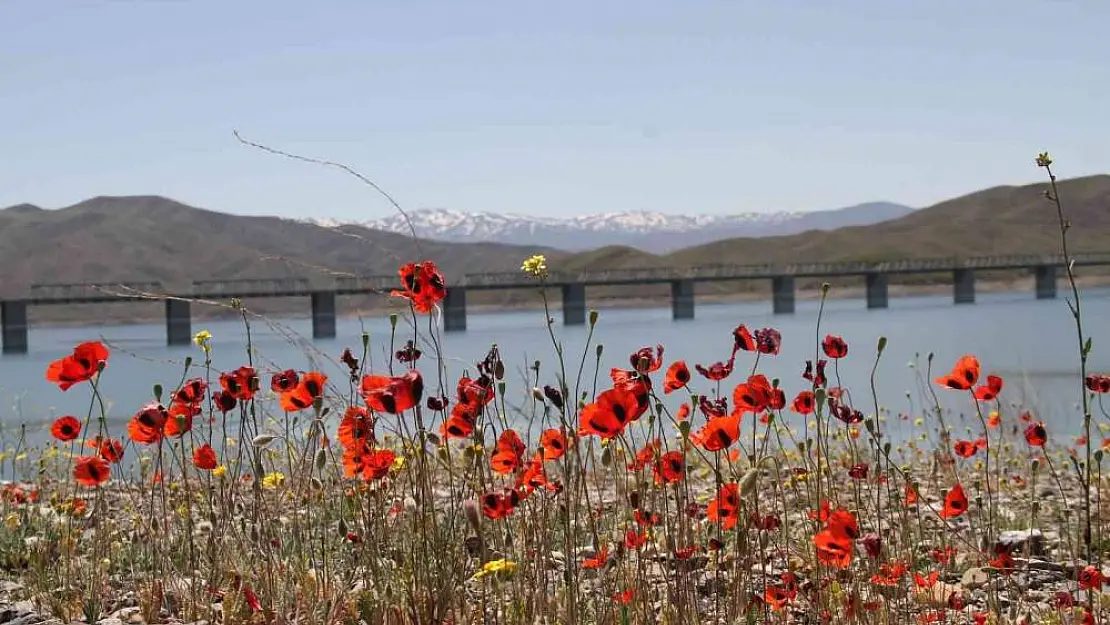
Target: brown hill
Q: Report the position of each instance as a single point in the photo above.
(1000, 220)
(154, 238)
(144, 238)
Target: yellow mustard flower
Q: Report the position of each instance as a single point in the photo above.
(273, 479)
(495, 566)
(535, 266)
(203, 340)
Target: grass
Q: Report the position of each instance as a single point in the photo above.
(366, 500)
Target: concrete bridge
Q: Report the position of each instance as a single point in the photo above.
(14, 326)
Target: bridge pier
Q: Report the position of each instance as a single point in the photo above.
(574, 304)
(963, 286)
(179, 323)
(876, 290)
(454, 310)
(323, 315)
(13, 319)
(682, 299)
(782, 294)
(1046, 281)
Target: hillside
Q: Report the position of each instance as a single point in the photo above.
(153, 238)
(143, 238)
(999, 220)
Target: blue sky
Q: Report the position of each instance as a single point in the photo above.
(547, 108)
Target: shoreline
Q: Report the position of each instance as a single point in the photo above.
(894, 291)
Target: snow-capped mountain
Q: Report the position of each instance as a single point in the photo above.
(654, 232)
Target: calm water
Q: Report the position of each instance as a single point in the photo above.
(1031, 343)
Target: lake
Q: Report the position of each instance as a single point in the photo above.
(1031, 343)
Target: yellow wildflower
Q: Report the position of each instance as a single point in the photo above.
(535, 266)
(495, 566)
(203, 340)
(12, 521)
(220, 471)
(398, 464)
(273, 479)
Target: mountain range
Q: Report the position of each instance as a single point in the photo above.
(644, 230)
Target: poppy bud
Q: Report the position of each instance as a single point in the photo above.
(393, 320)
(825, 288)
(158, 393)
(882, 344)
(593, 318)
(606, 457)
(554, 396)
(501, 389)
(600, 348)
(365, 340)
(684, 429)
(188, 361)
(1098, 456)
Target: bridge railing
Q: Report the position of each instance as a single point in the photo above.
(366, 283)
(251, 286)
(73, 291)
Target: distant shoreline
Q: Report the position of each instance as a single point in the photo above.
(895, 291)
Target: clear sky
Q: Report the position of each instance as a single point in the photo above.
(547, 108)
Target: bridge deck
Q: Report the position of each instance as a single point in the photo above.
(59, 294)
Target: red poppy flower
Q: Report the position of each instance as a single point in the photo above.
(635, 383)
(509, 455)
(91, 471)
(109, 448)
(678, 376)
(817, 378)
(926, 582)
(499, 505)
(393, 395)
(834, 346)
(309, 388)
(608, 416)
(461, 422)
(804, 403)
(778, 399)
(356, 427)
(955, 503)
(990, 390)
(965, 449)
(743, 339)
(80, 366)
(644, 457)
(66, 428)
(225, 402)
(180, 420)
(534, 476)
(768, 341)
(204, 457)
(1090, 578)
(683, 412)
(284, 381)
(1036, 435)
(645, 362)
(752, 396)
(670, 468)
(858, 471)
(554, 444)
(475, 392)
(1097, 383)
(833, 549)
(718, 433)
(372, 464)
(963, 376)
(598, 560)
(410, 353)
(423, 285)
(147, 426)
(725, 508)
(718, 370)
(192, 392)
(241, 383)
